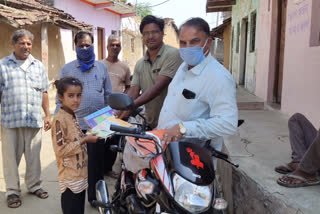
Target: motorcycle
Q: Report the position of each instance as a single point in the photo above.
(177, 179)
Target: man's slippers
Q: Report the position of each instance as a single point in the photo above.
(40, 193)
(294, 181)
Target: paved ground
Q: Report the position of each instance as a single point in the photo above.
(32, 204)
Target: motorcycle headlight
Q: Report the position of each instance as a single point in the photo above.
(191, 197)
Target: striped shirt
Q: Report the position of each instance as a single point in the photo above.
(71, 156)
(76, 186)
(22, 85)
(96, 88)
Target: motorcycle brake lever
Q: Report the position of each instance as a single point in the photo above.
(222, 156)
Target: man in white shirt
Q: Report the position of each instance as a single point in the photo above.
(201, 99)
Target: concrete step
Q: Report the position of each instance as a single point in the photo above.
(250, 105)
(248, 101)
(262, 143)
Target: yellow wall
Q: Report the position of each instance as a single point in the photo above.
(127, 55)
(170, 36)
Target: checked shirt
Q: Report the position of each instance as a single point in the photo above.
(22, 87)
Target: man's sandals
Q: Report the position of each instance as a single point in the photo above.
(293, 181)
(13, 201)
(40, 193)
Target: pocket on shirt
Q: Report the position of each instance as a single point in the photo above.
(97, 86)
(186, 108)
(35, 82)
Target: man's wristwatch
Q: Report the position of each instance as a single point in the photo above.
(183, 129)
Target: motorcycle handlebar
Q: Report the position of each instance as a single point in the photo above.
(138, 133)
(122, 129)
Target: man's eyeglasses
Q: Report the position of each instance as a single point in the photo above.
(152, 33)
(117, 45)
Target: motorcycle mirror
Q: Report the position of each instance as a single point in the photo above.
(120, 101)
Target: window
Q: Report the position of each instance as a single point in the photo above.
(113, 32)
(132, 45)
(253, 25)
(238, 37)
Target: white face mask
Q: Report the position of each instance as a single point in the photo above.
(193, 55)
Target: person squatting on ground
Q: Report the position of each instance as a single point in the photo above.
(23, 88)
(305, 163)
(119, 73)
(201, 100)
(153, 73)
(96, 89)
(69, 145)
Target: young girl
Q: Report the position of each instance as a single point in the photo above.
(70, 148)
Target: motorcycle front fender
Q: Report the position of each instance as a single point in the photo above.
(102, 196)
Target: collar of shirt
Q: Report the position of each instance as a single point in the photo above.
(25, 65)
(68, 111)
(198, 68)
(78, 64)
(13, 58)
(146, 56)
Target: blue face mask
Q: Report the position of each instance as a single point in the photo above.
(85, 57)
(193, 55)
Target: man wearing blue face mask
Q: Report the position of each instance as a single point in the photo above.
(201, 100)
(96, 89)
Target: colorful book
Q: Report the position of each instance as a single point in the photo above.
(101, 120)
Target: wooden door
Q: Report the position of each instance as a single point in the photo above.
(100, 43)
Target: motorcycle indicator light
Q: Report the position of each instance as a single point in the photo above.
(220, 204)
(145, 188)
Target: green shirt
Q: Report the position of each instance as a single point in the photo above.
(145, 74)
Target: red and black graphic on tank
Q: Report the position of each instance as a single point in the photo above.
(195, 160)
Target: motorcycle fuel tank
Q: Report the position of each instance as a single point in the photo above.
(190, 161)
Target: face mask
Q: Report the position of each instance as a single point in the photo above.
(193, 55)
(85, 57)
(85, 54)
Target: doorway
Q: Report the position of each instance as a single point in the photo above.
(281, 30)
(243, 51)
(101, 43)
